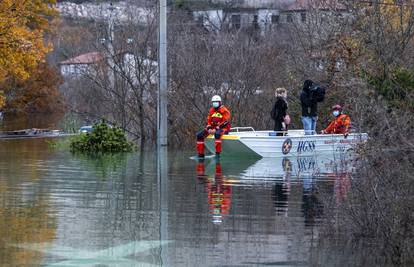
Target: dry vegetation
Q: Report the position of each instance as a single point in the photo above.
(365, 59)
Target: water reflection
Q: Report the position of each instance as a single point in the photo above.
(300, 167)
(218, 190)
(24, 223)
(26, 212)
(311, 205)
(342, 184)
(289, 178)
(104, 165)
(159, 209)
(271, 204)
(163, 200)
(281, 191)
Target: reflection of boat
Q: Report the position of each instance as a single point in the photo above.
(277, 168)
(281, 174)
(257, 144)
(314, 165)
(30, 133)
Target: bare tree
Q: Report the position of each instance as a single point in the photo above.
(121, 86)
(375, 217)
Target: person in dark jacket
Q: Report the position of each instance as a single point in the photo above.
(279, 111)
(309, 108)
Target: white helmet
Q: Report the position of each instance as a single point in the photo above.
(216, 98)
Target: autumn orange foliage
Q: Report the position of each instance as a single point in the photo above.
(27, 83)
(23, 24)
(2, 100)
(39, 93)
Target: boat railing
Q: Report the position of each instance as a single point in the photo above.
(242, 129)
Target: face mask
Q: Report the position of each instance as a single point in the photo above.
(216, 104)
(335, 113)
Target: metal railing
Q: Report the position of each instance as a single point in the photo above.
(242, 129)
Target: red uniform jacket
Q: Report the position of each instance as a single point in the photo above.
(219, 117)
(339, 125)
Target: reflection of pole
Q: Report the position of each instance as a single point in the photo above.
(162, 72)
(162, 180)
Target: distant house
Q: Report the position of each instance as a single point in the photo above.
(78, 66)
(127, 63)
(256, 4)
(263, 14)
(298, 11)
(214, 20)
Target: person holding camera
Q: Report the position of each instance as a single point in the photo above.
(311, 94)
(279, 112)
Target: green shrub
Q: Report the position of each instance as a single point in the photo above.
(102, 139)
(397, 89)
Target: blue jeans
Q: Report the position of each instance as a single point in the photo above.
(309, 125)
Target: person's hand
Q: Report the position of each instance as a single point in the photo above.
(323, 132)
(346, 135)
(211, 131)
(283, 126)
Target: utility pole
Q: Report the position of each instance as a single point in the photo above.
(108, 43)
(110, 47)
(162, 111)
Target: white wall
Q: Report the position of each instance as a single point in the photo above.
(73, 69)
(259, 3)
(212, 19)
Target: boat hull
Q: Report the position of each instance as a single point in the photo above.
(264, 144)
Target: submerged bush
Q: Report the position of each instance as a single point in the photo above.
(103, 138)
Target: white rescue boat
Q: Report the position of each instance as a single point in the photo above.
(246, 142)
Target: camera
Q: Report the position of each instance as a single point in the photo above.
(314, 87)
(318, 92)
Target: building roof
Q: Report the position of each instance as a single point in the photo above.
(303, 5)
(88, 58)
(95, 57)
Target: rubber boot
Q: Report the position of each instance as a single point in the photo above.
(200, 149)
(218, 145)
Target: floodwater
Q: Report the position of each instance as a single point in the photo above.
(159, 209)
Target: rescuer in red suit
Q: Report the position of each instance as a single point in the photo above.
(218, 123)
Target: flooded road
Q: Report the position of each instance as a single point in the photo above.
(61, 209)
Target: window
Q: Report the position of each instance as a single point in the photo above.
(235, 21)
(303, 17)
(275, 19)
(255, 18)
(289, 18)
(255, 21)
(200, 20)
